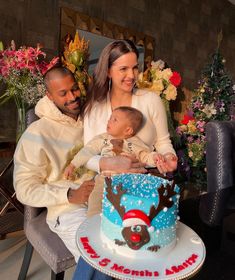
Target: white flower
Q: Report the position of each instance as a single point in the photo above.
(234, 88)
(166, 74)
(202, 90)
(209, 110)
(157, 86)
(222, 108)
(170, 92)
(190, 154)
(159, 64)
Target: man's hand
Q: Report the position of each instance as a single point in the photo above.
(81, 195)
(121, 164)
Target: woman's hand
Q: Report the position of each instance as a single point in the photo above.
(167, 164)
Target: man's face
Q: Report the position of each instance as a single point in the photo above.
(65, 94)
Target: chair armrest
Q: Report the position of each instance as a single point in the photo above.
(31, 212)
(31, 117)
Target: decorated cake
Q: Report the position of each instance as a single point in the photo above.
(139, 215)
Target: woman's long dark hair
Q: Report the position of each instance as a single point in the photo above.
(99, 86)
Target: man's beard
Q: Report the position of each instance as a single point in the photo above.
(77, 100)
(71, 112)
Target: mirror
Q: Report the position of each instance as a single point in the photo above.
(96, 45)
(100, 33)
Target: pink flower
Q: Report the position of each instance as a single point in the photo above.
(4, 71)
(25, 58)
(52, 63)
(197, 104)
(190, 139)
(22, 71)
(9, 53)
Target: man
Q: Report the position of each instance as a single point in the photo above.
(42, 152)
(41, 155)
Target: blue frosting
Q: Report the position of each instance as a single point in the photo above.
(141, 194)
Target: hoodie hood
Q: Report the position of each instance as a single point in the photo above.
(46, 108)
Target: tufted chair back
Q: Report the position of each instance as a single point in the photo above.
(220, 164)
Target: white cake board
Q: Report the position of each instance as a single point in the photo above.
(184, 261)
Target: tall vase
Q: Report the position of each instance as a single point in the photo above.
(21, 122)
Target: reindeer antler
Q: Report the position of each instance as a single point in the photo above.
(164, 199)
(115, 199)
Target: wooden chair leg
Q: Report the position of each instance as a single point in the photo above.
(57, 276)
(26, 261)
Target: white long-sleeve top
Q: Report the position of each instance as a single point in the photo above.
(154, 132)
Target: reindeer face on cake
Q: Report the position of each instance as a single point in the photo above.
(135, 229)
(137, 206)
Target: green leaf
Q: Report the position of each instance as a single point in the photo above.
(1, 46)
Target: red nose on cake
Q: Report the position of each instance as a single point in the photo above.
(135, 217)
(135, 237)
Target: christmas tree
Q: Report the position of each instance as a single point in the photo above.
(212, 100)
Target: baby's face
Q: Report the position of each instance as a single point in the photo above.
(118, 124)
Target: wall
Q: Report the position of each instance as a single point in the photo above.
(185, 32)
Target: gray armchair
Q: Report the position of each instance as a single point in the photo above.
(217, 207)
(220, 164)
(42, 239)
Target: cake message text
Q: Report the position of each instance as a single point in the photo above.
(106, 262)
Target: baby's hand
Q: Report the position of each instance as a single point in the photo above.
(68, 172)
(158, 158)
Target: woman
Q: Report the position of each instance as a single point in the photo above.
(113, 86)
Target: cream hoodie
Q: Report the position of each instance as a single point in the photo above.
(40, 158)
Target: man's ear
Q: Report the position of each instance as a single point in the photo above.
(129, 131)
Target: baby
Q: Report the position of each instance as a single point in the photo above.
(119, 139)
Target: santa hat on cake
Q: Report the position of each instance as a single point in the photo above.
(136, 217)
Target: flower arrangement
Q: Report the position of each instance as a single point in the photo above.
(75, 56)
(193, 131)
(163, 81)
(22, 73)
(160, 80)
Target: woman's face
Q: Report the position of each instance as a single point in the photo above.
(124, 72)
